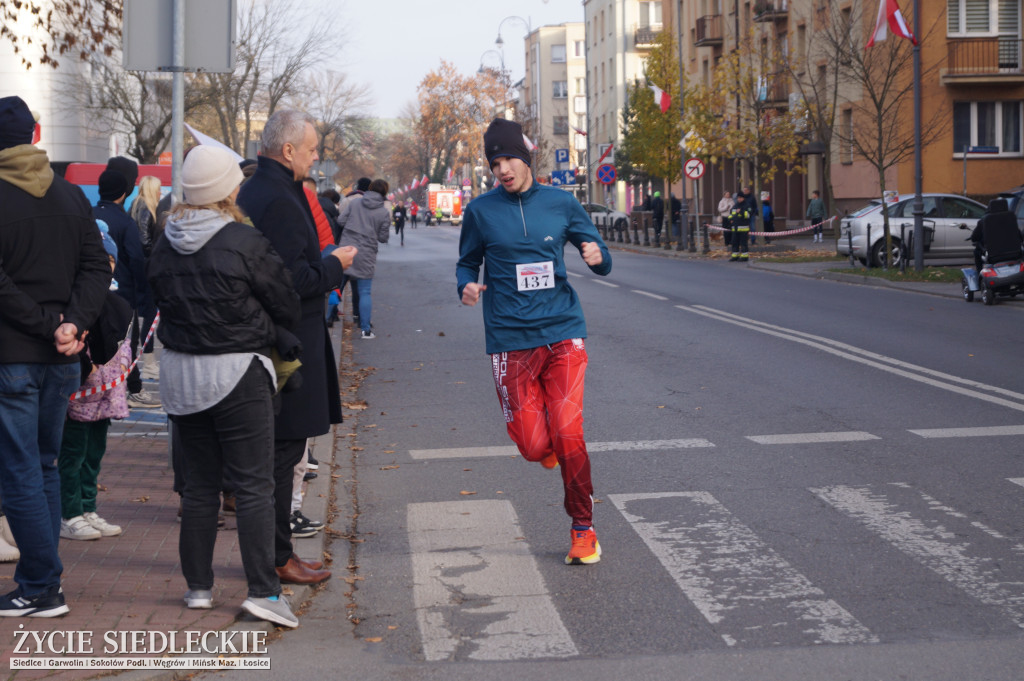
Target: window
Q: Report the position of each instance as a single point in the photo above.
(991, 128)
(650, 13)
(982, 17)
(560, 89)
(560, 125)
(581, 86)
(953, 207)
(846, 136)
(558, 54)
(578, 49)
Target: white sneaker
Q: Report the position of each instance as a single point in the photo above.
(367, 335)
(199, 599)
(78, 528)
(106, 529)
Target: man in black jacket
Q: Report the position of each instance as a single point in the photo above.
(54, 275)
(274, 199)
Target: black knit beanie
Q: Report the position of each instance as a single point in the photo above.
(505, 138)
(127, 167)
(16, 122)
(112, 185)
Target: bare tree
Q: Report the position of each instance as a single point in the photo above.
(85, 27)
(878, 130)
(339, 108)
(278, 42)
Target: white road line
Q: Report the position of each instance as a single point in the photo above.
(602, 282)
(981, 431)
(968, 554)
(649, 295)
(854, 354)
(746, 590)
(1017, 481)
(477, 589)
(511, 450)
(808, 438)
(574, 274)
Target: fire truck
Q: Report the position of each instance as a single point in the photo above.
(448, 199)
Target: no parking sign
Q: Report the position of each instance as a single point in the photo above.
(606, 174)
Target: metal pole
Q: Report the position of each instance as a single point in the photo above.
(684, 207)
(918, 201)
(178, 99)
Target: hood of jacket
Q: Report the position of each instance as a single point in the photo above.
(189, 232)
(372, 200)
(27, 168)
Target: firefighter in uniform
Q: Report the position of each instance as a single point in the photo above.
(739, 219)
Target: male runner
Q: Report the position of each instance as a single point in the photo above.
(532, 317)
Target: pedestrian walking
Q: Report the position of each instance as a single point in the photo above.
(366, 224)
(658, 210)
(222, 291)
(273, 198)
(54, 275)
(816, 214)
(533, 319)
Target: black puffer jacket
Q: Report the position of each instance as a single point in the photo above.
(219, 287)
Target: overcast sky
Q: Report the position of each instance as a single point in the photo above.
(392, 44)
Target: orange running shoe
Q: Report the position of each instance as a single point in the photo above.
(550, 461)
(585, 548)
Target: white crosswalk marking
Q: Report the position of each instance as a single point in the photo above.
(511, 450)
(748, 592)
(978, 431)
(964, 553)
(811, 438)
(477, 590)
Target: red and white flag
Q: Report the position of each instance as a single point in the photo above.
(529, 143)
(661, 98)
(424, 180)
(415, 183)
(579, 132)
(890, 17)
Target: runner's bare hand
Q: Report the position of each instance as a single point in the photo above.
(591, 253)
(471, 293)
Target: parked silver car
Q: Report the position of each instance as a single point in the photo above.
(602, 216)
(948, 221)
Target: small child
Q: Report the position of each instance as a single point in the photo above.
(85, 428)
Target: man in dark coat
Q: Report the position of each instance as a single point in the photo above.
(54, 276)
(274, 199)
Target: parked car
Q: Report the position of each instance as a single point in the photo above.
(948, 221)
(1015, 197)
(602, 216)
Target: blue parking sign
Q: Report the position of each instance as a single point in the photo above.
(561, 155)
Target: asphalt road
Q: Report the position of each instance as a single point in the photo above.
(795, 479)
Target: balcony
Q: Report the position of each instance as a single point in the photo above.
(773, 92)
(983, 60)
(646, 36)
(709, 30)
(771, 10)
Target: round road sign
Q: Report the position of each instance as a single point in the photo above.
(694, 168)
(606, 174)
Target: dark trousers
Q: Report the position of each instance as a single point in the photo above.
(353, 291)
(81, 451)
(287, 454)
(234, 438)
(727, 232)
(134, 381)
(740, 246)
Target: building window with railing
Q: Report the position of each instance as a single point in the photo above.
(987, 129)
(984, 36)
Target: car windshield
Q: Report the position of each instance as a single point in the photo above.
(871, 207)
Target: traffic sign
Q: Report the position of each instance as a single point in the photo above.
(606, 174)
(694, 168)
(561, 155)
(563, 177)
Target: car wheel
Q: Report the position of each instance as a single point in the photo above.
(966, 288)
(878, 253)
(988, 296)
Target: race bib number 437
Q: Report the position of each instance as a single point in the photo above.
(535, 275)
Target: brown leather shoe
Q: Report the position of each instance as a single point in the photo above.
(294, 572)
(311, 564)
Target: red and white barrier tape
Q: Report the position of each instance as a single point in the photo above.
(789, 232)
(120, 379)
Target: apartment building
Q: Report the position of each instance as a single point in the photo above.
(619, 35)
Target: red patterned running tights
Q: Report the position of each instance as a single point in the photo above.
(541, 395)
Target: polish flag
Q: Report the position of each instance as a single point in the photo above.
(424, 180)
(890, 17)
(579, 132)
(661, 98)
(529, 144)
(415, 183)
